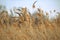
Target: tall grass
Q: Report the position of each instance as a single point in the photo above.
(27, 26)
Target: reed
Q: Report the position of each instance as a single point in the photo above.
(29, 26)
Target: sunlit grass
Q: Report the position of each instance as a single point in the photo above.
(29, 26)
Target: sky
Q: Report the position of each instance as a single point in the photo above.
(46, 5)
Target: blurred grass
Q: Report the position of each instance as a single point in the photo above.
(29, 27)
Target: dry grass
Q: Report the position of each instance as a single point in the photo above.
(29, 27)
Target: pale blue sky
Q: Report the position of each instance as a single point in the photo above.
(44, 4)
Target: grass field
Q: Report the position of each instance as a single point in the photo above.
(29, 26)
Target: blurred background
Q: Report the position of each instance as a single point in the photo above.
(46, 5)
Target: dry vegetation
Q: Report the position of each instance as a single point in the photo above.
(29, 26)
